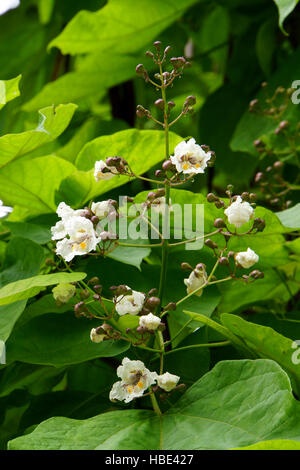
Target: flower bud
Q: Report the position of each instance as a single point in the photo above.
(153, 302)
(283, 125)
(186, 267)
(157, 45)
(278, 165)
(160, 104)
(152, 291)
(190, 101)
(259, 224)
(63, 292)
(149, 54)
(95, 219)
(160, 192)
(98, 288)
(219, 223)
(171, 105)
(259, 177)
(210, 244)
(84, 294)
(252, 197)
(219, 204)
(171, 306)
(97, 335)
(211, 197)
(94, 280)
(167, 165)
(224, 261)
(140, 70)
(158, 173)
(151, 195)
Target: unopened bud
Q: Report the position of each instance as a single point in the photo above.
(171, 306)
(224, 261)
(186, 267)
(160, 104)
(167, 165)
(211, 197)
(153, 302)
(210, 244)
(219, 223)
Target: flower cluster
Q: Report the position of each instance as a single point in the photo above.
(136, 379)
(78, 231)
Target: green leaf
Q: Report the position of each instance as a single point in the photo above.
(59, 340)
(141, 148)
(82, 84)
(195, 422)
(26, 288)
(23, 259)
(119, 26)
(52, 122)
(9, 90)
(290, 217)
(34, 232)
(265, 342)
(279, 444)
(129, 255)
(285, 7)
(32, 184)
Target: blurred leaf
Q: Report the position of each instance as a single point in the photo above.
(279, 444)
(35, 233)
(266, 45)
(52, 122)
(290, 217)
(9, 90)
(23, 259)
(285, 7)
(59, 340)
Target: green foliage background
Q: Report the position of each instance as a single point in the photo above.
(68, 94)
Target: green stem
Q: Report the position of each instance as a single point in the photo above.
(203, 345)
(155, 404)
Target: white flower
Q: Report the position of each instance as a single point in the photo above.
(8, 5)
(4, 210)
(167, 381)
(190, 157)
(82, 239)
(63, 292)
(246, 259)
(65, 212)
(159, 205)
(135, 379)
(150, 321)
(96, 337)
(99, 174)
(102, 209)
(132, 303)
(239, 212)
(196, 279)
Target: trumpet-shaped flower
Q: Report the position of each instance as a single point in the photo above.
(246, 259)
(167, 381)
(130, 303)
(190, 157)
(239, 212)
(82, 238)
(102, 208)
(149, 322)
(135, 379)
(104, 172)
(196, 279)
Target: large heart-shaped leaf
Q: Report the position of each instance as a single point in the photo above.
(254, 403)
(119, 26)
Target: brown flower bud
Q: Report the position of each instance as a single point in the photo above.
(160, 104)
(186, 267)
(219, 223)
(211, 197)
(167, 165)
(171, 306)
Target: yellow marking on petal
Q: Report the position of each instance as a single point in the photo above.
(130, 389)
(82, 245)
(197, 165)
(185, 166)
(140, 384)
